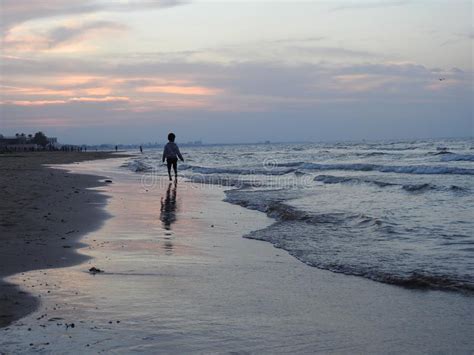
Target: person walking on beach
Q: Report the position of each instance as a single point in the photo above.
(171, 153)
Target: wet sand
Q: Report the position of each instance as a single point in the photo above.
(179, 278)
(43, 212)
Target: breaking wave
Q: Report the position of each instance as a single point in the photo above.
(137, 166)
(286, 168)
(338, 242)
(409, 169)
(458, 157)
(330, 179)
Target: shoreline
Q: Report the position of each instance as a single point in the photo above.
(44, 213)
(179, 278)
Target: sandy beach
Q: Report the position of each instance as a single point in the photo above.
(43, 213)
(179, 278)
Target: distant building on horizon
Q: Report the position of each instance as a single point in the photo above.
(23, 142)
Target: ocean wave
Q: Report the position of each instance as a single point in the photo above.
(385, 148)
(349, 243)
(220, 180)
(289, 165)
(457, 157)
(330, 179)
(268, 201)
(371, 226)
(418, 187)
(458, 188)
(339, 249)
(400, 169)
(413, 280)
(286, 168)
(442, 152)
(185, 166)
(373, 154)
(272, 202)
(426, 281)
(137, 166)
(299, 173)
(242, 171)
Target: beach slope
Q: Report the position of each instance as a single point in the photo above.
(43, 213)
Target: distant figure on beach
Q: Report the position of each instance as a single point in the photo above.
(171, 153)
(116, 147)
(141, 149)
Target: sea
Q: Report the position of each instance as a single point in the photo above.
(397, 212)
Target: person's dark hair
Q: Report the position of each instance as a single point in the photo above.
(171, 137)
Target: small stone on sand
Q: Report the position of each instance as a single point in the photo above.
(94, 270)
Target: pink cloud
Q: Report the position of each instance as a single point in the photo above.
(59, 102)
(34, 91)
(179, 90)
(33, 103)
(70, 37)
(99, 99)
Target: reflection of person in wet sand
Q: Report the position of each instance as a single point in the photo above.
(168, 206)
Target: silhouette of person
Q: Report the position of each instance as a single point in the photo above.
(168, 206)
(171, 153)
(141, 149)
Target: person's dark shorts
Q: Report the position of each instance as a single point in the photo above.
(172, 162)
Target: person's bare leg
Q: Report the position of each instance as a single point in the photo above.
(168, 165)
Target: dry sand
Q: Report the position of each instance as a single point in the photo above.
(43, 212)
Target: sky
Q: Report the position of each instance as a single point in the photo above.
(130, 71)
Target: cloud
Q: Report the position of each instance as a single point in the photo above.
(459, 38)
(295, 50)
(33, 103)
(179, 90)
(99, 99)
(331, 52)
(295, 40)
(60, 102)
(15, 12)
(145, 91)
(365, 5)
(69, 37)
(259, 86)
(66, 34)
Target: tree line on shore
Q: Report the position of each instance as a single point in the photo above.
(38, 141)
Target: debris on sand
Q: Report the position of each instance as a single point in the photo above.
(108, 181)
(93, 270)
